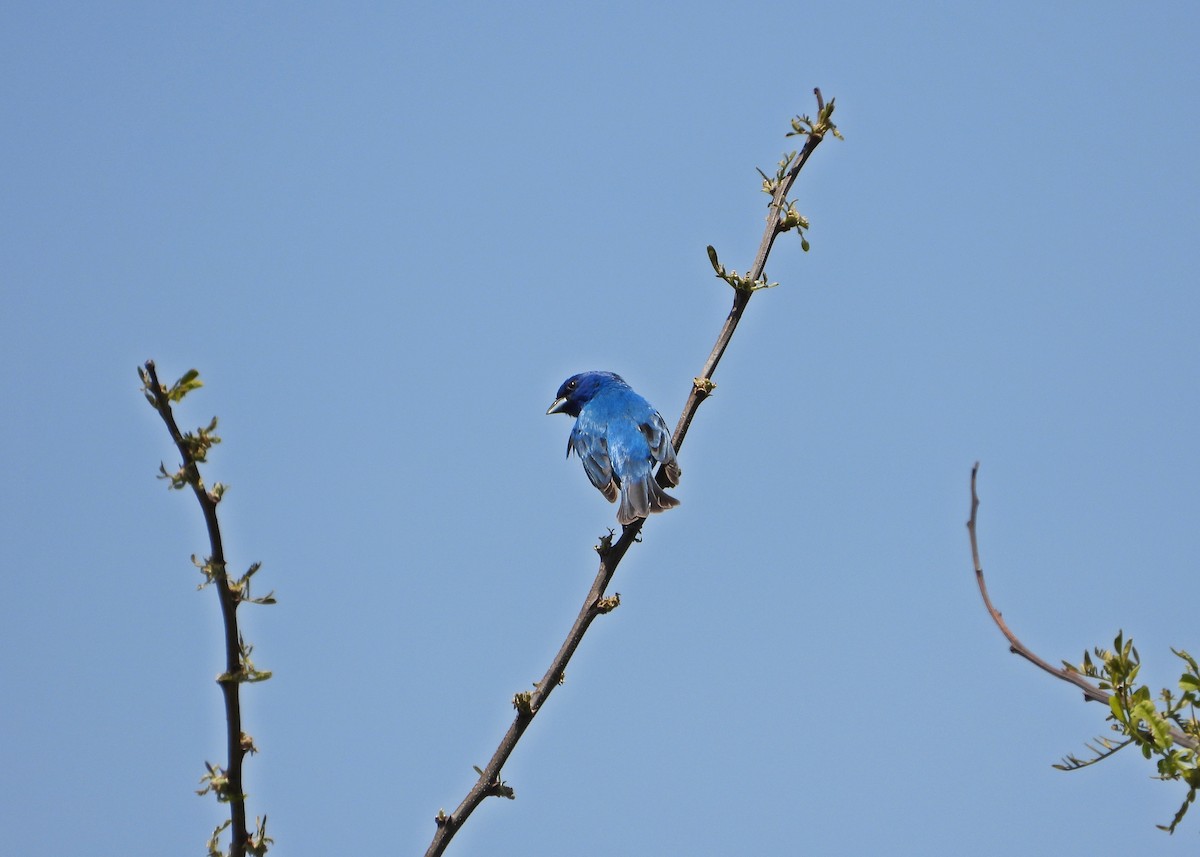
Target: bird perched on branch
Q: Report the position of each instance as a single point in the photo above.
(619, 437)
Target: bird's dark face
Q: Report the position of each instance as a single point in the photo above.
(580, 389)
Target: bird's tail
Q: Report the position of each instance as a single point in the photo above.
(640, 498)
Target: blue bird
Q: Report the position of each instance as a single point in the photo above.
(619, 437)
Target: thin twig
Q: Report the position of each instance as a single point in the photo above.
(237, 743)
(701, 388)
(611, 553)
(1090, 691)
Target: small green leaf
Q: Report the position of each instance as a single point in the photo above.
(1148, 714)
(190, 381)
(716, 263)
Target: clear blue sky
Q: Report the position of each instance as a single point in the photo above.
(385, 234)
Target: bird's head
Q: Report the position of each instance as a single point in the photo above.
(580, 389)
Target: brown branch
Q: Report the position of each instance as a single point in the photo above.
(611, 553)
(701, 386)
(1090, 691)
(238, 743)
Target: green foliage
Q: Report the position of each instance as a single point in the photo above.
(802, 126)
(200, 441)
(196, 446)
(738, 282)
(246, 671)
(190, 381)
(214, 841)
(257, 845)
(497, 787)
(217, 782)
(259, 841)
(771, 184)
(522, 702)
(241, 588)
(212, 571)
(609, 603)
(1166, 728)
(790, 218)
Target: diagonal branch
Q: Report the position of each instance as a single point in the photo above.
(612, 552)
(1090, 691)
(238, 743)
(702, 385)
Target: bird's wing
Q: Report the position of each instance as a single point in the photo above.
(592, 449)
(658, 438)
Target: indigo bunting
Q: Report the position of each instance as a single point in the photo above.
(619, 437)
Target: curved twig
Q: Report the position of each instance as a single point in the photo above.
(611, 553)
(1090, 691)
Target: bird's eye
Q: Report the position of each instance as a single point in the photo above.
(571, 385)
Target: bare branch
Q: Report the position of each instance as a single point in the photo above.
(611, 553)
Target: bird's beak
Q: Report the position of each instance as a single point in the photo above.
(558, 407)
